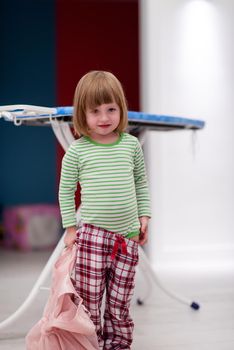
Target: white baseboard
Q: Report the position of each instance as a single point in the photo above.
(204, 258)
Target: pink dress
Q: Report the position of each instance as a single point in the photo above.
(64, 325)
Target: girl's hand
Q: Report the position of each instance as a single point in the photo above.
(144, 220)
(70, 236)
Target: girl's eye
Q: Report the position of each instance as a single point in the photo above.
(112, 109)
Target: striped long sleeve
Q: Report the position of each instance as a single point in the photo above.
(67, 187)
(141, 184)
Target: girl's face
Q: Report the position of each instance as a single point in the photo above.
(103, 120)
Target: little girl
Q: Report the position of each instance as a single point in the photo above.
(115, 208)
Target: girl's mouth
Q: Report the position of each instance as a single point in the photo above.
(104, 126)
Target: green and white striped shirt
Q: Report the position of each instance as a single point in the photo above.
(114, 191)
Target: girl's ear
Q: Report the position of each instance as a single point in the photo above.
(76, 134)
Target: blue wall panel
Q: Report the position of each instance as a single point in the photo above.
(27, 76)
(28, 165)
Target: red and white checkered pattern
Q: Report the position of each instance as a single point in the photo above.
(106, 260)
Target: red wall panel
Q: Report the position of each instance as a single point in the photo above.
(96, 35)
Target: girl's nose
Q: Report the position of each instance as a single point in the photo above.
(104, 116)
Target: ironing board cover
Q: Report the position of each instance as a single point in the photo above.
(64, 324)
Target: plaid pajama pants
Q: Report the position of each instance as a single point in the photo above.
(106, 261)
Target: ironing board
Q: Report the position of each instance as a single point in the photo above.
(36, 115)
(60, 119)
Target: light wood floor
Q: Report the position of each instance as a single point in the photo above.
(162, 323)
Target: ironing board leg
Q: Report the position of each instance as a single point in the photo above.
(64, 136)
(150, 274)
(36, 289)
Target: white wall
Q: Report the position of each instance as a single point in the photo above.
(187, 69)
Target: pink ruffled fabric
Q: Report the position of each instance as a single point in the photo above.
(64, 325)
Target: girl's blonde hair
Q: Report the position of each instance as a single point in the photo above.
(94, 89)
